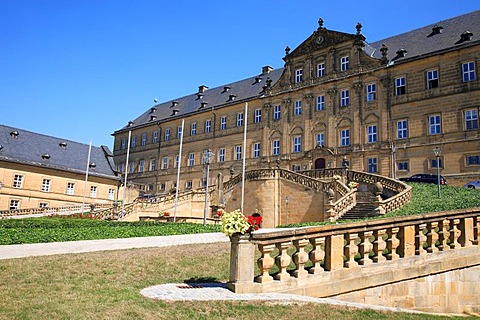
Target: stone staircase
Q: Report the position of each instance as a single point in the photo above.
(363, 209)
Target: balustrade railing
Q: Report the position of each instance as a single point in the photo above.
(53, 210)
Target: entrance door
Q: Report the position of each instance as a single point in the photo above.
(320, 163)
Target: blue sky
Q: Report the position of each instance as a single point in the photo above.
(80, 70)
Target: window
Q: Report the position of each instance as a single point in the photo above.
(208, 125)
(14, 205)
(345, 137)
(372, 165)
(298, 75)
(221, 155)
(223, 123)
(400, 86)
(177, 159)
(320, 103)
(432, 79)
(297, 144)
(163, 186)
(371, 92)
(167, 134)
(238, 153)
(258, 116)
(93, 191)
(120, 168)
(434, 124)
(111, 194)
(256, 150)
(70, 188)
(191, 159)
(402, 165)
(344, 98)
(17, 181)
(298, 108)
(193, 129)
(165, 163)
(471, 119)
(153, 164)
(473, 160)
(134, 142)
(468, 71)
(43, 205)
(144, 139)
(155, 137)
(434, 164)
(344, 63)
(275, 147)
(131, 165)
(46, 183)
(240, 119)
(123, 144)
(179, 132)
(296, 167)
(141, 165)
(402, 129)
(189, 184)
(320, 139)
(372, 133)
(277, 112)
(321, 69)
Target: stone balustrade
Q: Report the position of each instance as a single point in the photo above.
(52, 210)
(289, 260)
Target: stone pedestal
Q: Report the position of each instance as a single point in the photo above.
(242, 255)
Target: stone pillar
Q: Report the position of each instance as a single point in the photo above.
(407, 241)
(242, 256)
(334, 252)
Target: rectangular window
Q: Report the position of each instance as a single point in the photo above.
(256, 150)
(70, 188)
(344, 98)
(191, 159)
(471, 119)
(14, 205)
(277, 112)
(345, 137)
(434, 164)
(372, 165)
(468, 71)
(320, 103)
(179, 132)
(238, 153)
(298, 108)
(141, 165)
(275, 147)
(344, 63)
(258, 116)
(176, 161)
(131, 167)
(155, 137)
(189, 184)
(320, 139)
(296, 167)
(297, 144)
(134, 142)
(223, 123)
(240, 119)
(144, 139)
(400, 86)
(111, 194)
(372, 133)
(432, 79)
(221, 155)
(165, 163)
(167, 134)
(371, 92)
(163, 186)
(435, 126)
(298, 75)
(17, 181)
(93, 191)
(321, 69)
(473, 160)
(46, 183)
(402, 129)
(402, 165)
(43, 205)
(208, 125)
(153, 164)
(123, 144)
(193, 129)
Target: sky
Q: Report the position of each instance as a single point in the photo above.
(81, 69)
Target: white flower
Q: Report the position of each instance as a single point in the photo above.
(234, 222)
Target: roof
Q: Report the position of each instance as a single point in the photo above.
(26, 147)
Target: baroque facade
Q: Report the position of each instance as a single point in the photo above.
(377, 107)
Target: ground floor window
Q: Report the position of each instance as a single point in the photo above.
(14, 204)
(372, 165)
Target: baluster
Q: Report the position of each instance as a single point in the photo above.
(379, 245)
(443, 235)
(365, 247)
(392, 243)
(317, 255)
(420, 239)
(476, 231)
(282, 261)
(351, 249)
(300, 257)
(454, 233)
(432, 237)
(265, 263)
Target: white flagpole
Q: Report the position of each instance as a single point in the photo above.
(126, 174)
(178, 173)
(244, 154)
(86, 176)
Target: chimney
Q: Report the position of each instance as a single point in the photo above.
(202, 88)
(266, 69)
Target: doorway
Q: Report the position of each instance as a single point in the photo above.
(320, 163)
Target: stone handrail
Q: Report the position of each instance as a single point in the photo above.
(321, 250)
(335, 210)
(52, 210)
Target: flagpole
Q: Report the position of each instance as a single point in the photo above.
(244, 154)
(178, 173)
(86, 176)
(126, 174)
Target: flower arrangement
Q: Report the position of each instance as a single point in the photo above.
(352, 184)
(236, 222)
(336, 177)
(164, 214)
(219, 213)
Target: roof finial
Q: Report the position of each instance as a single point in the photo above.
(287, 50)
(359, 28)
(320, 23)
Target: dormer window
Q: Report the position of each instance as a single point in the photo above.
(466, 36)
(298, 75)
(401, 53)
(231, 97)
(436, 30)
(45, 156)
(130, 123)
(226, 89)
(14, 134)
(63, 145)
(344, 63)
(174, 104)
(153, 118)
(153, 109)
(258, 79)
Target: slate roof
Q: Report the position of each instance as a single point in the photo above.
(29, 147)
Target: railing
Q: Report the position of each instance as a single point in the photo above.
(323, 249)
(335, 210)
(52, 210)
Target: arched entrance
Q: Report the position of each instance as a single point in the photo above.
(320, 163)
